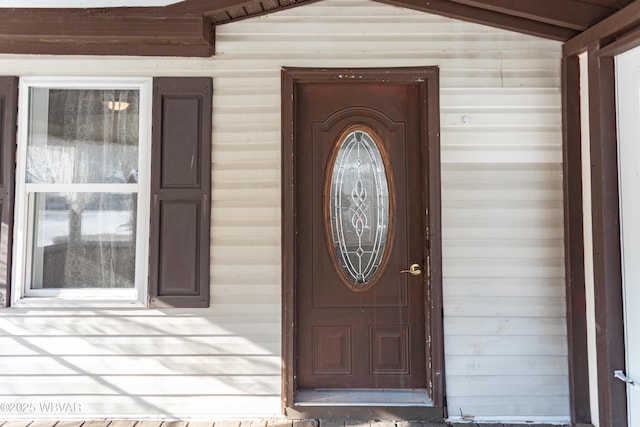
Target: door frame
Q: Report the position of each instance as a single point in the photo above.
(427, 78)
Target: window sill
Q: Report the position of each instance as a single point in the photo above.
(57, 302)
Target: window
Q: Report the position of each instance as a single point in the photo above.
(84, 231)
(82, 190)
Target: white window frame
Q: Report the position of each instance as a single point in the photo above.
(22, 294)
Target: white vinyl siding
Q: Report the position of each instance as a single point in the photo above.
(504, 303)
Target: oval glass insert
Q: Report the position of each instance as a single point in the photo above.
(358, 206)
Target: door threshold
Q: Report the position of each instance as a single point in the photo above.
(363, 397)
(365, 404)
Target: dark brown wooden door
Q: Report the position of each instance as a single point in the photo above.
(359, 327)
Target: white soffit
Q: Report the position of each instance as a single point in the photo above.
(82, 3)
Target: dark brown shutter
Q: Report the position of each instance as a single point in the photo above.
(8, 125)
(180, 192)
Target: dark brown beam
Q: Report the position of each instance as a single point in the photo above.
(199, 7)
(574, 243)
(607, 273)
(623, 44)
(103, 32)
(567, 13)
(619, 23)
(209, 8)
(486, 17)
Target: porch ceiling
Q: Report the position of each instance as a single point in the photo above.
(569, 16)
(186, 28)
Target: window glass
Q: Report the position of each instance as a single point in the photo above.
(83, 136)
(81, 188)
(83, 240)
(359, 206)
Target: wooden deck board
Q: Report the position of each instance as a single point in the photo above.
(227, 423)
(275, 422)
(148, 423)
(16, 423)
(44, 423)
(92, 423)
(173, 424)
(70, 423)
(199, 424)
(122, 423)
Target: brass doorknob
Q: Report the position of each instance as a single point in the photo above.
(414, 269)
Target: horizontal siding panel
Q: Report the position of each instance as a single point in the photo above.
(483, 220)
(504, 405)
(103, 365)
(266, 120)
(250, 240)
(232, 255)
(244, 137)
(457, 98)
(508, 306)
(501, 233)
(486, 116)
(507, 205)
(228, 259)
(259, 232)
(140, 345)
(469, 136)
(249, 155)
(485, 62)
(248, 146)
(515, 214)
(505, 346)
(250, 194)
(540, 287)
(182, 385)
(240, 221)
(479, 365)
(136, 327)
(353, 22)
(463, 249)
(511, 194)
(500, 154)
(263, 289)
(226, 298)
(506, 326)
(227, 127)
(241, 276)
(504, 267)
(320, 42)
(227, 214)
(248, 203)
(501, 175)
(514, 386)
(242, 166)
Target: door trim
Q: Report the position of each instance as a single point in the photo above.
(428, 80)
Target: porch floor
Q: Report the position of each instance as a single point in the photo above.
(238, 423)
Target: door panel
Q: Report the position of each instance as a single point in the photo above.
(351, 332)
(628, 88)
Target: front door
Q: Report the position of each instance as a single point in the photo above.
(628, 88)
(363, 251)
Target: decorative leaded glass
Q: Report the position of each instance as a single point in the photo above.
(359, 207)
